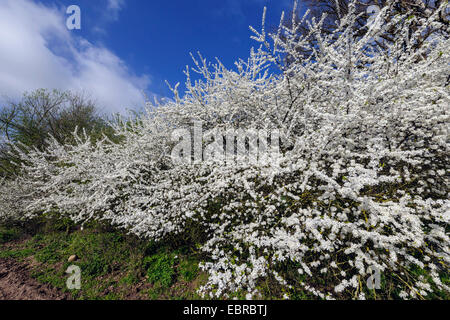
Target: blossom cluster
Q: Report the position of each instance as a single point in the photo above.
(361, 181)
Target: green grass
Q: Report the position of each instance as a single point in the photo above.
(9, 234)
(160, 269)
(188, 269)
(16, 253)
(117, 266)
(111, 263)
(48, 275)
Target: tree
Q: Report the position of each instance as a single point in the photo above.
(414, 13)
(43, 113)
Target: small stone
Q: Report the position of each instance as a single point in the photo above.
(72, 258)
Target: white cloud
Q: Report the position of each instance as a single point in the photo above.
(109, 13)
(37, 51)
(116, 4)
(114, 7)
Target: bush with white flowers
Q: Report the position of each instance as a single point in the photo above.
(360, 183)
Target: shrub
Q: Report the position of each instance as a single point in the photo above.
(188, 269)
(160, 269)
(360, 183)
(9, 234)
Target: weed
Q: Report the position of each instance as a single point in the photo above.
(160, 269)
(188, 269)
(7, 235)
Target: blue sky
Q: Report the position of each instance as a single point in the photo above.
(124, 46)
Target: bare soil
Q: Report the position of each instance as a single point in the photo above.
(17, 284)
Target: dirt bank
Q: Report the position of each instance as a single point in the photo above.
(17, 284)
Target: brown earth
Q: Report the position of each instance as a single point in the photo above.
(17, 284)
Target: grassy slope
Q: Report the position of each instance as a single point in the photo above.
(113, 266)
(119, 266)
